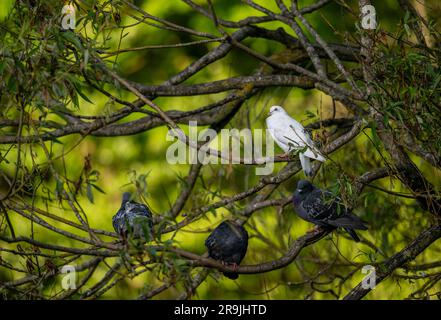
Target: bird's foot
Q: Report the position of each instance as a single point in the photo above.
(235, 266)
(314, 230)
(285, 156)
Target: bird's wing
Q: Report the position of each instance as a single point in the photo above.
(287, 131)
(138, 209)
(227, 243)
(239, 231)
(272, 125)
(308, 138)
(319, 205)
(215, 245)
(117, 223)
(349, 220)
(312, 152)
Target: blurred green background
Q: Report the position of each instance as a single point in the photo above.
(125, 162)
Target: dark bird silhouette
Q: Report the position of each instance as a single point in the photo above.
(133, 219)
(228, 243)
(325, 210)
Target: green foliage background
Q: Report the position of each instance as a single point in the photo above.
(137, 162)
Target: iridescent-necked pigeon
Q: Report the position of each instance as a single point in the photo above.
(324, 209)
(228, 243)
(290, 135)
(133, 219)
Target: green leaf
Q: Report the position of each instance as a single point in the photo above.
(59, 90)
(310, 114)
(97, 188)
(12, 85)
(375, 137)
(406, 16)
(82, 95)
(168, 243)
(59, 187)
(152, 251)
(75, 101)
(2, 66)
(5, 8)
(89, 192)
(86, 58)
(72, 38)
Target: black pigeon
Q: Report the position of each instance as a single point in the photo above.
(323, 209)
(133, 218)
(228, 243)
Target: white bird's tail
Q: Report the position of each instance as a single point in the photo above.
(314, 154)
(306, 164)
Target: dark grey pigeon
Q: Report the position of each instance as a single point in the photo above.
(228, 243)
(133, 219)
(324, 209)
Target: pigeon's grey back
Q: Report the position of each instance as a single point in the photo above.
(324, 209)
(228, 243)
(132, 216)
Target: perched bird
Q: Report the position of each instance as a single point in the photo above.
(324, 209)
(133, 218)
(228, 243)
(290, 135)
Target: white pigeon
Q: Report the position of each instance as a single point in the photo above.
(290, 135)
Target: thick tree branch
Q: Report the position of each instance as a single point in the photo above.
(399, 259)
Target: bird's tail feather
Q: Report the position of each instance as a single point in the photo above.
(231, 275)
(353, 234)
(349, 221)
(306, 164)
(314, 154)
